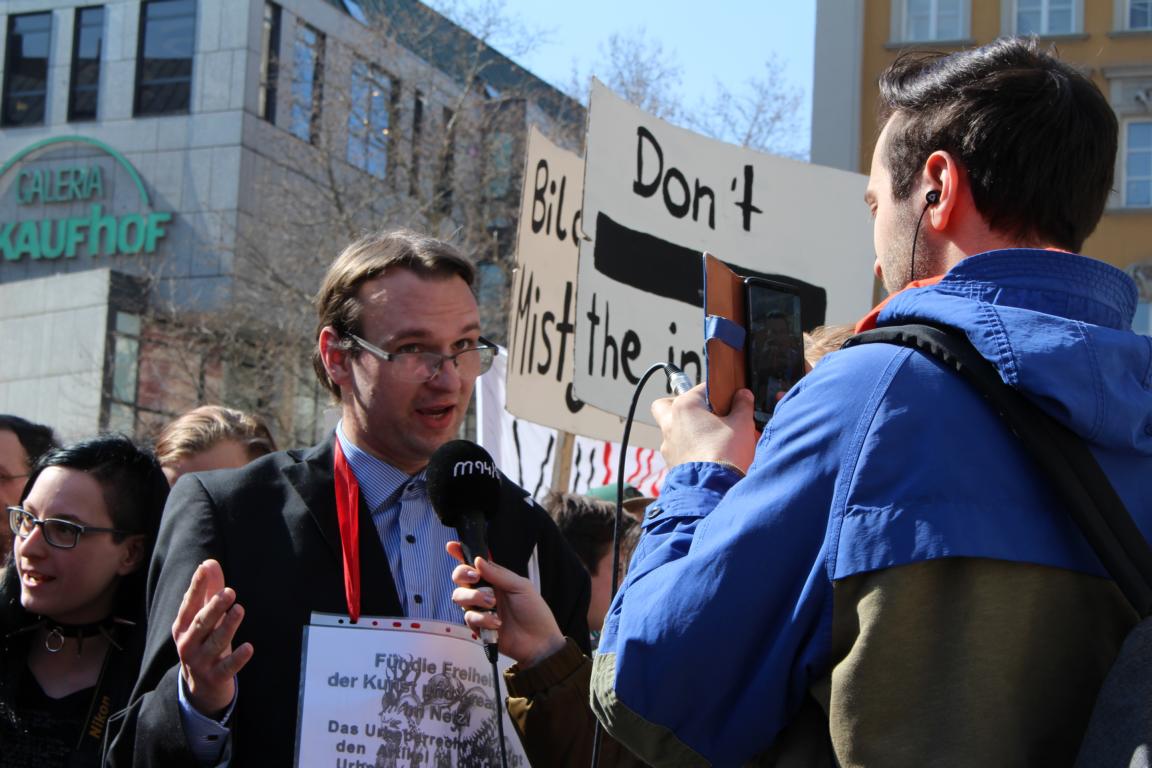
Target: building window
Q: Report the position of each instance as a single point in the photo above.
(1138, 164)
(269, 62)
(1139, 14)
(1046, 17)
(26, 69)
(125, 373)
(87, 46)
(501, 157)
(356, 11)
(1142, 320)
(370, 119)
(443, 199)
(417, 143)
(491, 284)
(307, 79)
(923, 20)
(164, 58)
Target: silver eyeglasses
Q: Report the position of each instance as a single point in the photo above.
(419, 367)
(62, 534)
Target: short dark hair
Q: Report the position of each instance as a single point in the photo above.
(35, 439)
(133, 483)
(134, 489)
(1035, 136)
(373, 255)
(586, 525)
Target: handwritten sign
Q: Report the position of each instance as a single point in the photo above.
(398, 693)
(527, 452)
(655, 197)
(542, 322)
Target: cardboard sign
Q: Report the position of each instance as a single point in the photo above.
(526, 452)
(655, 198)
(401, 693)
(542, 320)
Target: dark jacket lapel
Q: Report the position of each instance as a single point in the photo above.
(312, 477)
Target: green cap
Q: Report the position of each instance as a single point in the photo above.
(608, 492)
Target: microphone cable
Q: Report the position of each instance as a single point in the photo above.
(679, 382)
(493, 654)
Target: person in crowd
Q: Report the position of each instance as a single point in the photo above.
(587, 524)
(72, 618)
(634, 502)
(822, 340)
(398, 345)
(21, 444)
(211, 437)
(894, 582)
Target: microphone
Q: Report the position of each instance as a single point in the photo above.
(464, 488)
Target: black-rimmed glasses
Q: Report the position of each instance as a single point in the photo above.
(419, 367)
(62, 534)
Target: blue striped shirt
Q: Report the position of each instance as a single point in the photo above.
(412, 535)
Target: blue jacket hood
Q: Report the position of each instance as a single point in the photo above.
(1064, 340)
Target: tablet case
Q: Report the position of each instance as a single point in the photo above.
(725, 321)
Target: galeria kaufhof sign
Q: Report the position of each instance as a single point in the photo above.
(71, 196)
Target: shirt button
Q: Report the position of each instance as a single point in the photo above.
(417, 599)
(654, 511)
(410, 539)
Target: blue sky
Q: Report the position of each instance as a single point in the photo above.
(721, 40)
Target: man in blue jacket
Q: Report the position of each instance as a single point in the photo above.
(893, 583)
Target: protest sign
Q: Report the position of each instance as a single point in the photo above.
(401, 693)
(657, 196)
(526, 451)
(543, 316)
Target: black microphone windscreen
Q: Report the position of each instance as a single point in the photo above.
(462, 477)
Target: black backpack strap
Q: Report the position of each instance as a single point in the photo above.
(1063, 457)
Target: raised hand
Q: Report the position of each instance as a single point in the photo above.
(205, 625)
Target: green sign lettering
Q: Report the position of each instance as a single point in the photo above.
(59, 185)
(100, 234)
(103, 235)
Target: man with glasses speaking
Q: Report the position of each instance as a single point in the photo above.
(245, 556)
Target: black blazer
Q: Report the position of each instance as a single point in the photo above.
(272, 525)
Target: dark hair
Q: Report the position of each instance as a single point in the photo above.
(1035, 136)
(337, 303)
(586, 525)
(35, 439)
(134, 486)
(134, 489)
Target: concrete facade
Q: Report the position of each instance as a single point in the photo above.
(255, 213)
(54, 342)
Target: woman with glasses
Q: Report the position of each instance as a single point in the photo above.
(72, 599)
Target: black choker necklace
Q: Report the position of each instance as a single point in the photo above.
(58, 633)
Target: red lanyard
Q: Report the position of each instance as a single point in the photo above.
(348, 516)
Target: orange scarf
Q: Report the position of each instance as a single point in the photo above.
(869, 320)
